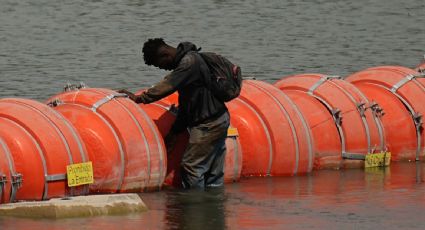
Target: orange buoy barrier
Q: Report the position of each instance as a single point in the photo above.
(274, 136)
(327, 144)
(36, 145)
(126, 148)
(400, 92)
(359, 127)
(163, 114)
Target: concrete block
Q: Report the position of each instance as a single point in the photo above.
(79, 206)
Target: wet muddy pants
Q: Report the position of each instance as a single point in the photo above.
(203, 160)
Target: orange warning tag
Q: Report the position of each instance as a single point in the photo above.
(232, 132)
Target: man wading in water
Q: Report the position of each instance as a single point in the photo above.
(205, 116)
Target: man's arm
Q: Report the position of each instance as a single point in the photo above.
(171, 83)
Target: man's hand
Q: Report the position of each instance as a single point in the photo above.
(170, 141)
(131, 95)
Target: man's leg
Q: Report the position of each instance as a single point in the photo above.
(206, 140)
(195, 162)
(215, 176)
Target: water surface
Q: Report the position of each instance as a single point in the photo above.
(45, 43)
(389, 198)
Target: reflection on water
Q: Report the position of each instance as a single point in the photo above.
(389, 198)
(196, 209)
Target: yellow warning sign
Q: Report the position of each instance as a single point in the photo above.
(377, 159)
(80, 174)
(232, 132)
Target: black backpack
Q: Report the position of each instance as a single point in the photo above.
(225, 80)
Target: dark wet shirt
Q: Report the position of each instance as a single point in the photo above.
(197, 104)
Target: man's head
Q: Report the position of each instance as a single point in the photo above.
(157, 53)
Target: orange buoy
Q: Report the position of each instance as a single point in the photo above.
(126, 148)
(400, 92)
(360, 130)
(164, 115)
(37, 144)
(274, 136)
(327, 144)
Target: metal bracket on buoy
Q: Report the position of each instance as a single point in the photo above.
(16, 181)
(106, 99)
(52, 178)
(321, 81)
(376, 109)
(3, 181)
(336, 113)
(55, 102)
(334, 77)
(378, 113)
(316, 85)
(403, 81)
(353, 156)
(361, 108)
(55, 177)
(72, 87)
(417, 118)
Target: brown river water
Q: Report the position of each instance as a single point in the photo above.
(376, 198)
(44, 44)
